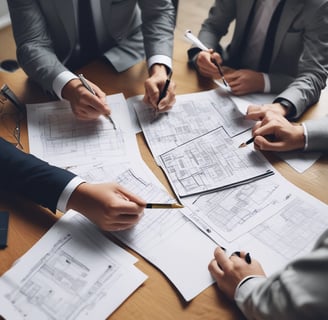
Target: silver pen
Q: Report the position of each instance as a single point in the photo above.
(193, 39)
(87, 86)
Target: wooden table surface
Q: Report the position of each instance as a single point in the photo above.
(156, 298)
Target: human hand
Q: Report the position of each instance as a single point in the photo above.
(244, 81)
(256, 112)
(110, 206)
(229, 271)
(285, 136)
(85, 105)
(154, 86)
(207, 62)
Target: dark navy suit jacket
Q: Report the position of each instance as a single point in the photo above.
(31, 177)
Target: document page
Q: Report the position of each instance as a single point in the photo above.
(271, 218)
(192, 115)
(165, 237)
(73, 272)
(56, 136)
(212, 162)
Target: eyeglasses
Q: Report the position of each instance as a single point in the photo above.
(11, 118)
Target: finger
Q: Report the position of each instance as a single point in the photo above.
(168, 101)
(153, 96)
(255, 112)
(131, 196)
(215, 269)
(130, 219)
(263, 144)
(222, 259)
(119, 227)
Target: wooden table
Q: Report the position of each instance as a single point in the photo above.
(156, 298)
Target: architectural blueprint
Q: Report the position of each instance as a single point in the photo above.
(192, 115)
(269, 217)
(230, 213)
(55, 135)
(212, 162)
(73, 272)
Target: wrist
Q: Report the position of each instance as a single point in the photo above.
(70, 87)
(159, 69)
(287, 107)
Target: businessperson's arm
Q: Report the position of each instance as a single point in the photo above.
(35, 47)
(298, 292)
(108, 205)
(36, 55)
(31, 177)
(158, 26)
(305, 88)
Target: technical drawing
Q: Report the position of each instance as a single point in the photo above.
(60, 286)
(211, 162)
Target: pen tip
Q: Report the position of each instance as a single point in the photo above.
(243, 145)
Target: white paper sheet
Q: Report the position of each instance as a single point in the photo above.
(73, 272)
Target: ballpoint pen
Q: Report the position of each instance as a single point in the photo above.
(164, 206)
(87, 86)
(244, 144)
(166, 86)
(193, 39)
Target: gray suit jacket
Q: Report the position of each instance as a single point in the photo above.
(299, 64)
(298, 292)
(46, 33)
(317, 134)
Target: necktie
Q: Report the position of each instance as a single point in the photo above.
(245, 37)
(87, 33)
(269, 41)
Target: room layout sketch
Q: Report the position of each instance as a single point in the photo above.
(232, 212)
(60, 285)
(211, 162)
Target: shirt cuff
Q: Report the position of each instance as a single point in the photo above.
(267, 84)
(160, 59)
(61, 80)
(306, 136)
(245, 287)
(67, 192)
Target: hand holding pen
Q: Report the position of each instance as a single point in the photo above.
(91, 90)
(204, 66)
(273, 132)
(159, 89)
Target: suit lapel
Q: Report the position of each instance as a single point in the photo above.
(291, 10)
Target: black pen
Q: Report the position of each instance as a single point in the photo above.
(166, 86)
(87, 86)
(244, 144)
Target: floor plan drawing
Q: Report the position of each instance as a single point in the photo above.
(210, 162)
(74, 272)
(230, 213)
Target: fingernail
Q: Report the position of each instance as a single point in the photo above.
(248, 258)
(237, 253)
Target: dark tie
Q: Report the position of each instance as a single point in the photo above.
(87, 34)
(237, 59)
(269, 41)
